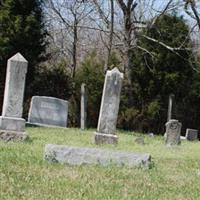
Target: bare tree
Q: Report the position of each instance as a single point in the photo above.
(68, 17)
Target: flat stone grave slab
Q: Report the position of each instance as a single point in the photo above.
(80, 156)
(48, 112)
(13, 136)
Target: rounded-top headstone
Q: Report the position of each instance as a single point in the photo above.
(173, 132)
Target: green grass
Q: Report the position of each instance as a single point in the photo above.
(25, 175)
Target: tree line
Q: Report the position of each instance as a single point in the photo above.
(72, 42)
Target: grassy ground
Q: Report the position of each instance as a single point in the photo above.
(25, 175)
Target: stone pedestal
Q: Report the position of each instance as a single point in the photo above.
(12, 126)
(191, 134)
(109, 108)
(173, 132)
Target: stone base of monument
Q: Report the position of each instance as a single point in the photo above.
(81, 156)
(12, 124)
(13, 136)
(101, 138)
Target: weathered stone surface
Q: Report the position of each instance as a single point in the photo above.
(173, 132)
(140, 140)
(14, 88)
(109, 103)
(100, 138)
(83, 106)
(13, 136)
(170, 103)
(48, 111)
(191, 134)
(79, 156)
(12, 124)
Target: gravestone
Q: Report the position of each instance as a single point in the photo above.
(191, 134)
(109, 108)
(170, 103)
(93, 156)
(83, 106)
(12, 125)
(48, 111)
(173, 132)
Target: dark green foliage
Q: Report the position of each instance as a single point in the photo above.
(158, 74)
(21, 30)
(91, 73)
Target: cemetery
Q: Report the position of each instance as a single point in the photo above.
(118, 125)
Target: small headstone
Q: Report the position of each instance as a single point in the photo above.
(151, 134)
(81, 156)
(48, 111)
(173, 132)
(83, 106)
(109, 108)
(140, 140)
(191, 134)
(12, 125)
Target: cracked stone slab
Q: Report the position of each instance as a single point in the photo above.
(94, 156)
(13, 136)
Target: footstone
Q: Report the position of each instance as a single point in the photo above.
(48, 111)
(13, 136)
(80, 156)
(109, 108)
(173, 132)
(100, 138)
(191, 134)
(140, 140)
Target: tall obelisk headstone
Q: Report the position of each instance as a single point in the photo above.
(170, 103)
(12, 125)
(83, 106)
(109, 108)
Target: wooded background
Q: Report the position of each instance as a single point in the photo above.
(68, 42)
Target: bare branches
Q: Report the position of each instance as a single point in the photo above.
(195, 14)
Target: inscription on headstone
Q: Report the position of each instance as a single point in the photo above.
(109, 108)
(48, 111)
(173, 132)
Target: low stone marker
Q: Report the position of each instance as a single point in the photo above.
(48, 111)
(109, 108)
(80, 156)
(191, 134)
(173, 132)
(12, 125)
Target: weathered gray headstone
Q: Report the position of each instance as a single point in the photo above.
(109, 108)
(173, 132)
(48, 111)
(80, 156)
(11, 122)
(83, 106)
(191, 134)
